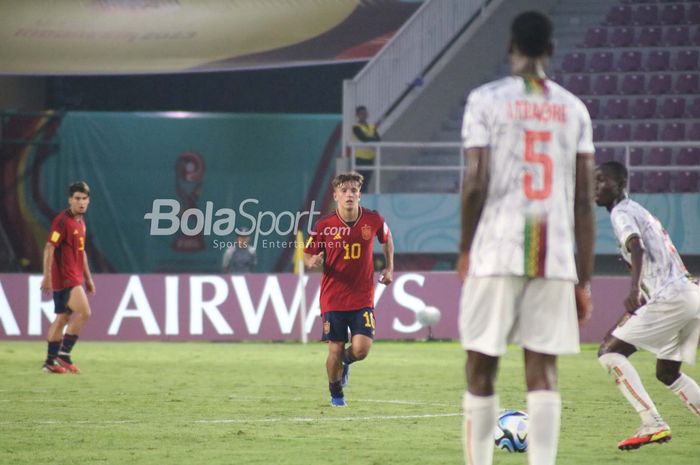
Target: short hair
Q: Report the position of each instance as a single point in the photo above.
(531, 33)
(615, 169)
(360, 108)
(78, 186)
(352, 176)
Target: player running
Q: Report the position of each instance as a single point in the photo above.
(662, 309)
(65, 268)
(527, 199)
(343, 242)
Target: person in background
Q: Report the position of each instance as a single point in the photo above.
(363, 131)
(240, 257)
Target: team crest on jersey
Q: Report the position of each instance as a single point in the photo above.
(326, 327)
(366, 232)
(75, 231)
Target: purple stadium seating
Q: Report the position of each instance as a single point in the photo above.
(660, 84)
(695, 37)
(694, 108)
(657, 181)
(632, 84)
(598, 132)
(616, 108)
(672, 108)
(692, 14)
(661, 156)
(622, 37)
(636, 181)
(619, 132)
(687, 60)
(630, 61)
(686, 181)
(605, 84)
(694, 131)
(688, 83)
(658, 60)
(689, 156)
(646, 15)
(646, 132)
(677, 36)
(601, 62)
(672, 14)
(574, 63)
(596, 37)
(649, 36)
(637, 156)
(606, 154)
(579, 84)
(619, 15)
(673, 131)
(644, 108)
(593, 105)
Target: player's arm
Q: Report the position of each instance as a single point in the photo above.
(49, 250)
(313, 261)
(89, 283)
(634, 298)
(584, 233)
(476, 186)
(387, 275)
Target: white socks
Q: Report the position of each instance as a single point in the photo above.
(629, 383)
(687, 389)
(480, 414)
(544, 411)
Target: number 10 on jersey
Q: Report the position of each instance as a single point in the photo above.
(352, 251)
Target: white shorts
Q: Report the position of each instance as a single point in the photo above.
(537, 314)
(668, 327)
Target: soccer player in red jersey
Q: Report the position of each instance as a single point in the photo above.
(65, 268)
(343, 243)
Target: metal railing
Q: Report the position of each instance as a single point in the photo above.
(393, 158)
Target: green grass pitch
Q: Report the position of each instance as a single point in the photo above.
(264, 403)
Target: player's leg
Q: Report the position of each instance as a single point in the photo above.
(55, 332)
(362, 327)
(685, 387)
(335, 332)
(544, 407)
(480, 405)
(80, 307)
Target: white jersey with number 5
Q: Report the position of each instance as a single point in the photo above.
(533, 128)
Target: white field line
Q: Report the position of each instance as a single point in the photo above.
(326, 419)
(376, 401)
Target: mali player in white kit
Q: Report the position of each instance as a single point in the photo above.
(527, 202)
(662, 309)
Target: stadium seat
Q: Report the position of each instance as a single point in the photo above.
(649, 36)
(630, 61)
(672, 107)
(659, 156)
(694, 108)
(673, 131)
(593, 105)
(596, 37)
(672, 14)
(605, 84)
(633, 84)
(579, 84)
(695, 37)
(601, 62)
(688, 156)
(644, 108)
(619, 132)
(694, 131)
(646, 15)
(637, 156)
(686, 181)
(687, 83)
(574, 62)
(692, 14)
(655, 182)
(606, 154)
(646, 132)
(619, 15)
(677, 36)
(658, 60)
(687, 60)
(660, 84)
(636, 181)
(616, 108)
(598, 132)
(622, 37)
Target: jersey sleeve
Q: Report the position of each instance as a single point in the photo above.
(624, 226)
(383, 231)
(585, 141)
(57, 233)
(475, 128)
(315, 244)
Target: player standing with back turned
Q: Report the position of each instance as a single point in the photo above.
(343, 243)
(527, 201)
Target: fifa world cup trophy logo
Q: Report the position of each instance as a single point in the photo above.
(189, 172)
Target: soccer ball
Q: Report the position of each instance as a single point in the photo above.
(511, 431)
(428, 316)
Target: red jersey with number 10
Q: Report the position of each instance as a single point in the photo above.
(348, 269)
(68, 236)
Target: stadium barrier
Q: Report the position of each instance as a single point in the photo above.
(252, 307)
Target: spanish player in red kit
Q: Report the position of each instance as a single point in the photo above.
(65, 268)
(343, 243)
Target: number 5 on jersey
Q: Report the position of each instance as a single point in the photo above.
(540, 158)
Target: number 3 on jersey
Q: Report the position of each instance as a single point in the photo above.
(352, 251)
(540, 158)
